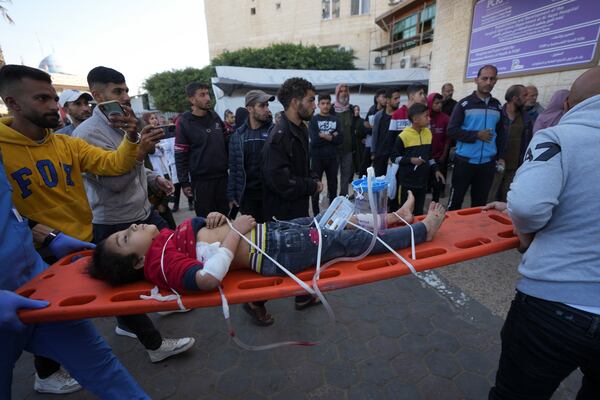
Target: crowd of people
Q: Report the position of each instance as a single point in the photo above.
(107, 181)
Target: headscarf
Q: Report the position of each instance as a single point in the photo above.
(341, 107)
(553, 113)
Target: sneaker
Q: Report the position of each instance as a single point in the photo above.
(170, 347)
(122, 332)
(59, 382)
(163, 313)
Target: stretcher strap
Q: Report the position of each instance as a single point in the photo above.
(412, 235)
(394, 252)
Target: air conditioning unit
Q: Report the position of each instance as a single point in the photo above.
(406, 62)
(345, 48)
(379, 60)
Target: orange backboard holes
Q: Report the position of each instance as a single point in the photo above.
(259, 283)
(501, 219)
(26, 292)
(467, 244)
(129, 296)
(469, 211)
(329, 273)
(426, 253)
(371, 265)
(507, 234)
(77, 300)
(47, 276)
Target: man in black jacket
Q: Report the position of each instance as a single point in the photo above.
(288, 181)
(201, 153)
(244, 185)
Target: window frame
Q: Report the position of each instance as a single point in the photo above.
(331, 9)
(360, 8)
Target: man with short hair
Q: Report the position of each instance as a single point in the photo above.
(476, 125)
(383, 137)
(518, 129)
(44, 171)
(532, 106)
(553, 325)
(245, 182)
(77, 106)
(379, 103)
(288, 181)
(119, 201)
(201, 153)
(448, 102)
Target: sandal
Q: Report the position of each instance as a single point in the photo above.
(259, 314)
(302, 305)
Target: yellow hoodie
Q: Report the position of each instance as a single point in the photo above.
(46, 177)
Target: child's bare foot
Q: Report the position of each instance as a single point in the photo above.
(406, 211)
(433, 220)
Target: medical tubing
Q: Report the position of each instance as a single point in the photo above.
(162, 268)
(412, 235)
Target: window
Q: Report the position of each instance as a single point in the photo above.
(428, 18)
(360, 7)
(405, 28)
(253, 11)
(331, 9)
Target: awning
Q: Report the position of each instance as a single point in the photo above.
(230, 79)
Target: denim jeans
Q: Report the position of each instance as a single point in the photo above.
(294, 244)
(542, 343)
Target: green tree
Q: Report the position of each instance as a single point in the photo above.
(168, 88)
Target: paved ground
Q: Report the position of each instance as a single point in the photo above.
(432, 337)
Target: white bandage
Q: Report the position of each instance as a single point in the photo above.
(218, 263)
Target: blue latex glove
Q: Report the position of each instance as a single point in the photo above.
(65, 244)
(10, 302)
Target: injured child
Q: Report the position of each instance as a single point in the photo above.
(200, 252)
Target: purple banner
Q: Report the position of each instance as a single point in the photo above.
(524, 36)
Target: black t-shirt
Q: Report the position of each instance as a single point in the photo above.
(254, 141)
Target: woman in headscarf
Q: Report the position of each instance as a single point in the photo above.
(554, 112)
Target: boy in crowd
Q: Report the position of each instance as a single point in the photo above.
(324, 141)
(412, 152)
(440, 142)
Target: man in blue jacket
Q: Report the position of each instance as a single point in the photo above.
(553, 326)
(76, 345)
(476, 125)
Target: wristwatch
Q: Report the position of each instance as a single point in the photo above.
(51, 236)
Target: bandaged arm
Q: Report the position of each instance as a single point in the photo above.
(217, 266)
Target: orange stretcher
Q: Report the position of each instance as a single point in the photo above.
(465, 234)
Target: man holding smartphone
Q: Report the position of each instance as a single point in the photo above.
(476, 125)
(119, 201)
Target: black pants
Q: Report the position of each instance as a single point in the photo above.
(210, 195)
(419, 194)
(330, 167)
(479, 176)
(542, 343)
(365, 162)
(437, 188)
(253, 205)
(380, 164)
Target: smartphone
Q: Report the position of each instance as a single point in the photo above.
(112, 107)
(169, 129)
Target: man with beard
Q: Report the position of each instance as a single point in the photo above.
(119, 201)
(448, 102)
(77, 106)
(201, 153)
(476, 125)
(288, 182)
(44, 171)
(518, 129)
(344, 112)
(531, 105)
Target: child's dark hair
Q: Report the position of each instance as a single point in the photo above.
(114, 268)
(416, 109)
(324, 96)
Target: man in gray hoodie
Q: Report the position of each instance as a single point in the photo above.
(119, 201)
(553, 326)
